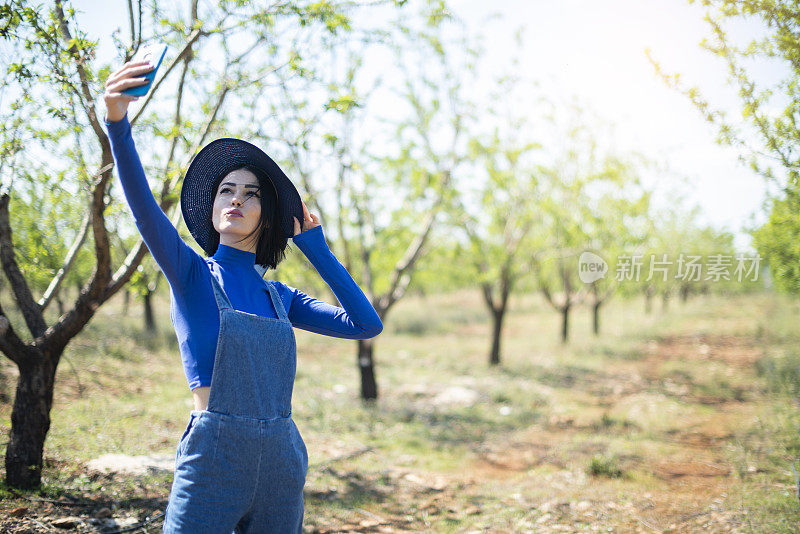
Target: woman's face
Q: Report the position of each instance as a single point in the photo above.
(237, 209)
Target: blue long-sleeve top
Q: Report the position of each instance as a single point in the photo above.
(194, 311)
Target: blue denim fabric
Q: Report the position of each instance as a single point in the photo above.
(241, 464)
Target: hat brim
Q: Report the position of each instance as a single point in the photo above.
(214, 161)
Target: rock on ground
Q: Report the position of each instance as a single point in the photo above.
(132, 465)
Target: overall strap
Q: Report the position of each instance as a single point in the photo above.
(276, 301)
(219, 294)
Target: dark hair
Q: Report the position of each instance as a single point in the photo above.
(271, 245)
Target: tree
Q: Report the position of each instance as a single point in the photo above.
(617, 221)
(556, 267)
(595, 209)
(503, 188)
(575, 170)
(779, 242)
(683, 257)
(419, 174)
(378, 208)
(52, 68)
(499, 248)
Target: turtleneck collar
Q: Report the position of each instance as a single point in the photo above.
(233, 256)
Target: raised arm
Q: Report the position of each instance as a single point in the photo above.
(356, 319)
(171, 253)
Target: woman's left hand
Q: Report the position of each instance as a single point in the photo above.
(309, 221)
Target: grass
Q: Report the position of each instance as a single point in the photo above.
(604, 466)
(688, 411)
(781, 373)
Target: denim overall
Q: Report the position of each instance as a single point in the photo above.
(241, 463)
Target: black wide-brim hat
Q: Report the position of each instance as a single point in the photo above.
(213, 162)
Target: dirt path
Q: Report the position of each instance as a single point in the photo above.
(677, 481)
(678, 478)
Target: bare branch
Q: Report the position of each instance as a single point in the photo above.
(364, 245)
(488, 295)
(31, 311)
(11, 345)
(348, 262)
(193, 37)
(102, 247)
(52, 289)
(55, 284)
(545, 288)
(130, 18)
(85, 92)
(177, 121)
(400, 277)
(294, 152)
(139, 38)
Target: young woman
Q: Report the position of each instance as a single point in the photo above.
(241, 463)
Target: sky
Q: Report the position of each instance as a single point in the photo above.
(595, 52)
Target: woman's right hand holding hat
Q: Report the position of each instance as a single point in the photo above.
(309, 221)
(126, 77)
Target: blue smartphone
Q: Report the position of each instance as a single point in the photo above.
(154, 54)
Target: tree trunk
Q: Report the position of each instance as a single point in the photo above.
(648, 303)
(149, 320)
(684, 293)
(565, 323)
(664, 301)
(596, 317)
(497, 323)
(30, 421)
(125, 301)
(369, 388)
